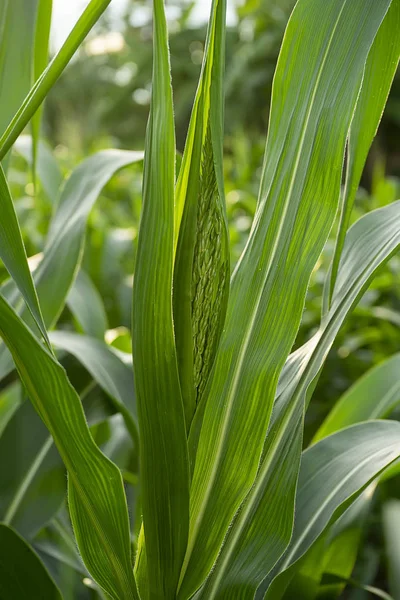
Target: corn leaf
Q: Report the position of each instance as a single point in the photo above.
(107, 369)
(48, 78)
(10, 400)
(297, 204)
(163, 445)
(41, 57)
(86, 304)
(374, 396)
(380, 69)
(22, 573)
(255, 540)
(13, 255)
(17, 31)
(65, 240)
(96, 495)
(333, 473)
(47, 170)
(201, 274)
(391, 525)
(32, 480)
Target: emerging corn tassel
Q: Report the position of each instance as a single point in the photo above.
(201, 278)
(209, 273)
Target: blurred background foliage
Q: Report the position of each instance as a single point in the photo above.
(102, 101)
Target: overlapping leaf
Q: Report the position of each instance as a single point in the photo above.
(163, 446)
(65, 240)
(333, 472)
(96, 495)
(298, 200)
(107, 369)
(201, 271)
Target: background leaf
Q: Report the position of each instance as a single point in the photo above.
(22, 573)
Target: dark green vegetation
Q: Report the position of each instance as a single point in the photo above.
(199, 365)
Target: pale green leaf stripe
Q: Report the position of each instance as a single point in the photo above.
(48, 78)
(380, 69)
(333, 473)
(298, 201)
(391, 527)
(107, 369)
(13, 255)
(374, 396)
(65, 240)
(86, 305)
(97, 499)
(22, 573)
(47, 170)
(248, 555)
(164, 464)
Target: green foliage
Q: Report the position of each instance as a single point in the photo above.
(182, 436)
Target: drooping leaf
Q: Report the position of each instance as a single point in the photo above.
(96, 495)
(380, 69)
(65, 240)
(163, 446)
(22, 573)
(298, 200)
(40, 89)
(255, 539)
(47, 169)
(86, 305)
(373, 396)
(333, 473)
(107, 369)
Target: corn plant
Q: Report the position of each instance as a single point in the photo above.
(231, 505)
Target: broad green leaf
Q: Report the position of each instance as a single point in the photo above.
(373, 396)
(17, 31)
(333, 473)
(163, 446)
(86, 305)
(13, 255)
(22, 573)
(255, 540)
(47, 169)
(42, 86)
(298, 200)
(107, 369)
(379, 72)
(65, 240)
(41, 57)
(96, 495)
(391, 526)
(333, 554)
(201, 271)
